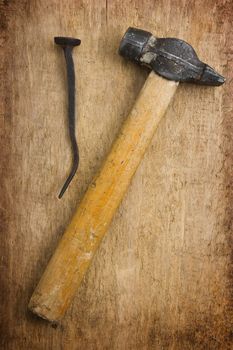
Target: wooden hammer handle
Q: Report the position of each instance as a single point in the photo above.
(80, 241)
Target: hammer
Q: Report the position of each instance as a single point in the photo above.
(174, 61)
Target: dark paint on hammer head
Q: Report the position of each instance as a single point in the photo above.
(172, 58)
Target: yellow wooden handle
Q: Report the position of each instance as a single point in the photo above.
(80, 241)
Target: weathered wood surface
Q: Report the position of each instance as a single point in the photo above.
(162, 278)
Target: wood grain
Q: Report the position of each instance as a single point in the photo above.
(162, 278)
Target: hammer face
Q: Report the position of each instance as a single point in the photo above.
(171, 58)
(133, 43)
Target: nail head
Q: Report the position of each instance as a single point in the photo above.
(66, 41)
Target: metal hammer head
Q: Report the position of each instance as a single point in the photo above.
(171, 58)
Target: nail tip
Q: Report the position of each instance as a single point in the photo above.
(61, 193)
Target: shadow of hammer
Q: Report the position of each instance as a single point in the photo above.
(174, 61)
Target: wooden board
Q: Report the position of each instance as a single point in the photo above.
(162, 278)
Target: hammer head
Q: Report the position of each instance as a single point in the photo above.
(171, 58)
